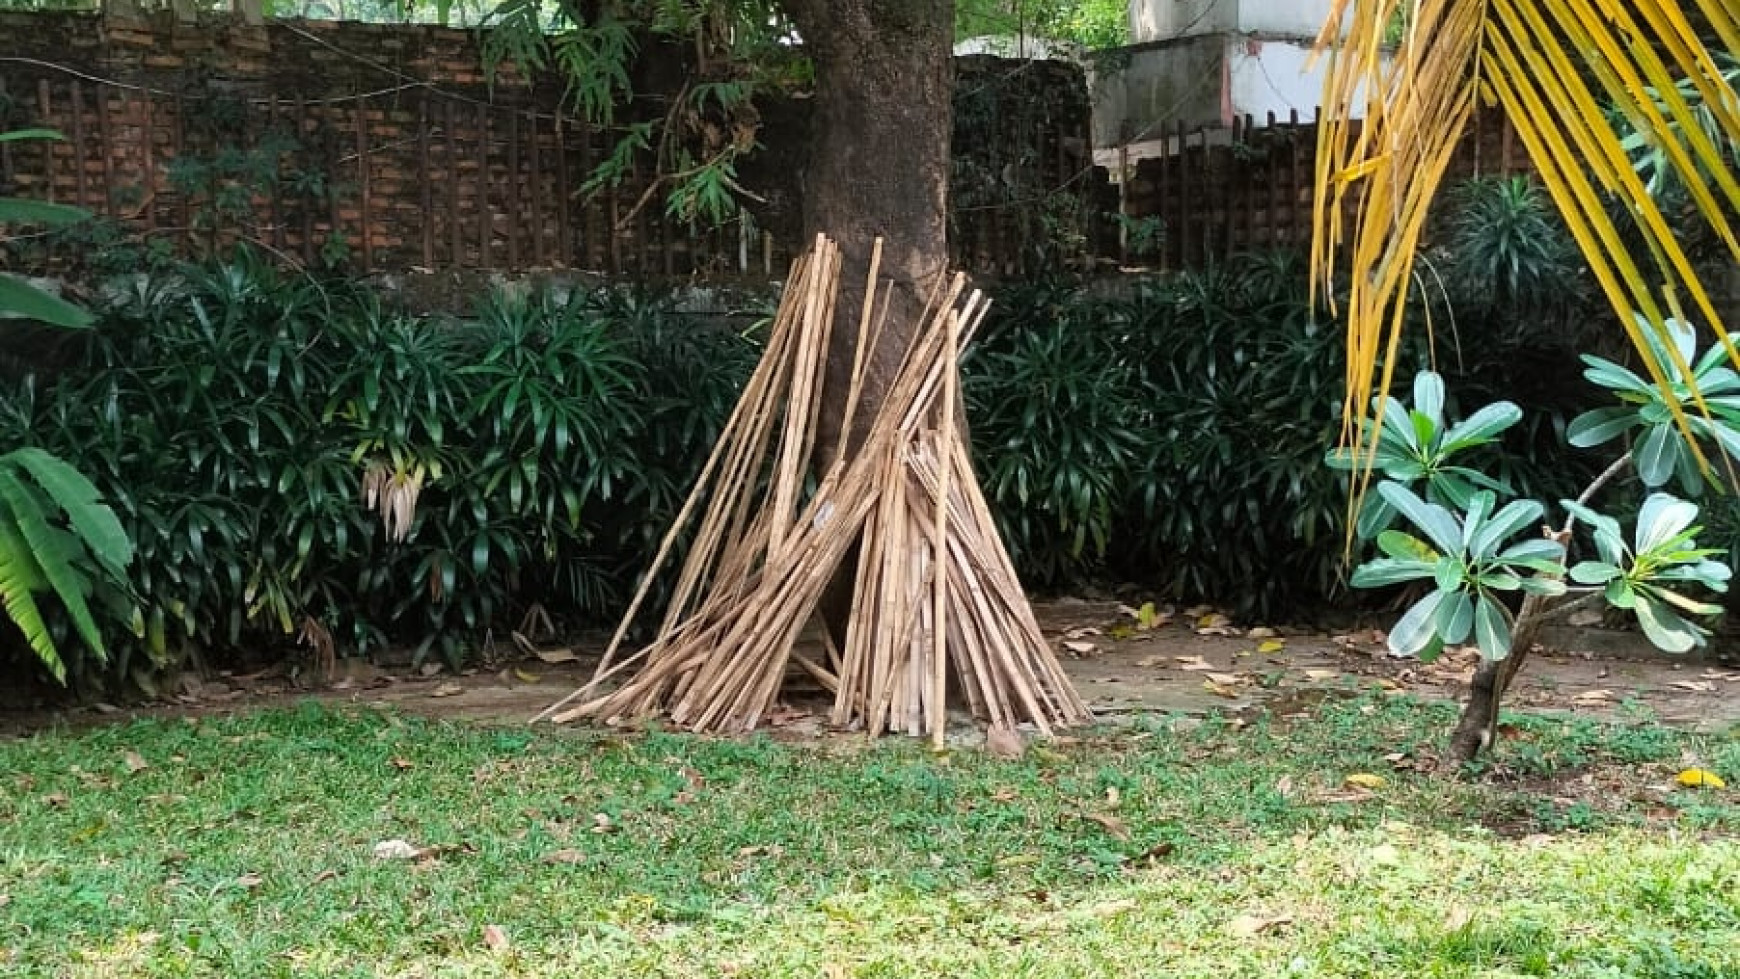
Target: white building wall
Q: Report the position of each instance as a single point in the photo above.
(1159, 20)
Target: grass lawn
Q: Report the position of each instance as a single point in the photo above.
(245, 848)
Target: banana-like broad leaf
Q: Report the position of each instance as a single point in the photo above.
(56, 552)
(94, 523)
(19, 210)
(20, 579)
(23, 299)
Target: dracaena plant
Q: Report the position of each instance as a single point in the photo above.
(1418, 444)
(1468, 549)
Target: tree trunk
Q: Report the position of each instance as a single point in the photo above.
(1478, 727)
(878, 166)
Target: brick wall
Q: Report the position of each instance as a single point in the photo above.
(391, 139)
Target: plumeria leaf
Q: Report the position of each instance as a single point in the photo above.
(1491, 628)
(1440, 526)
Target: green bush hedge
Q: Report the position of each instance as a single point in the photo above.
(1173, 435)
(1168, 433)
(234, 417)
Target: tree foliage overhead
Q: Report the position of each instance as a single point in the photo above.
(1093, 24)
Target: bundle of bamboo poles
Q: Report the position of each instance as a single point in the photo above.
(935, 597)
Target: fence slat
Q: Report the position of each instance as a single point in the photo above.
(425, 190)
(515, 219)
(78, 143)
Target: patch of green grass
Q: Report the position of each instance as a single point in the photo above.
(244, 847)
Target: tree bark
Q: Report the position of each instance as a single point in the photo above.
(878, 167)
(1478, 727)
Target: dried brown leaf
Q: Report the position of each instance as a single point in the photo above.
(565, 856)
(136, 762)
(1250, 925)
(1113, 826)
(495, 937)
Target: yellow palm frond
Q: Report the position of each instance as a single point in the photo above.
(1561, 70)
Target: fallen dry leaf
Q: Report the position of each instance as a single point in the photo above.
(565, 856)
(1602, 696)
(1079, 647)
(1113, 797)
(55, 799)
(1158, 851)
(402, 764)
(1082, 632)
(1271, 646)
(1005, 743)
(1583, 618)
(1220, 690)
(395, 850)
(1284, 787)
(559, 655)
(1113, 826)
(1224, 679)
(1365, 780)
(324, 876)
(1004, 794)
(1193, 663)
(136, 762)
(1215, 624)
(495, 937)
(1262, 632)
(1698, 778)
(1320, 675)
(1250, 925)
(601, 823)
(447, 690)
(525, 676)
(1695, 686)
(250, 880)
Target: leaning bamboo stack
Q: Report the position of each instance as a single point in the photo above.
(935, 597)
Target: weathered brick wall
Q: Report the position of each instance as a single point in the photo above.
(1250, 187)
(392, 140)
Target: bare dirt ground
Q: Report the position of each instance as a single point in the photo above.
(1191, 663)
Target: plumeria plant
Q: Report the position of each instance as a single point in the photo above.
(1477, 556)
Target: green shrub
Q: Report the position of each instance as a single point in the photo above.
(293, 457)
(1173, 436)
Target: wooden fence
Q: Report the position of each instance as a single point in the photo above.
(1215, 192)
(387, 144)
